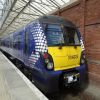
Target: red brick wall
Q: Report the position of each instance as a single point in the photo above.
(86, 15)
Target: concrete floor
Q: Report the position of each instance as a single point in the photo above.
(13, 86)
(91, 92)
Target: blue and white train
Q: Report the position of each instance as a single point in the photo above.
(51, 50)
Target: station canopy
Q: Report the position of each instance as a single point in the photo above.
(15, 14)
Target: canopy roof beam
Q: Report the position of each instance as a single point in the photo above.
(21, 12)
(12, 5)
(35, 8)
(18, 14)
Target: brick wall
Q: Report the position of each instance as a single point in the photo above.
(86, 15)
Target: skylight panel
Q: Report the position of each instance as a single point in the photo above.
(60, 2)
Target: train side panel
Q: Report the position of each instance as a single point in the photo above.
(18, 45)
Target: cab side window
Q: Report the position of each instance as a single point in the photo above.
(26, 42)
(19, 41)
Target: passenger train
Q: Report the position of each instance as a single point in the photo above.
(51, 50)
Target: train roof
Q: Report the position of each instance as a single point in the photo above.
(56, 19)
(48, 19)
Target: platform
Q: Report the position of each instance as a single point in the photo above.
(14, 85)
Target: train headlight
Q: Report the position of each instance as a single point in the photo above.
(50, 66)
(46, 61)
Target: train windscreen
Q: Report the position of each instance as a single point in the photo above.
(57, 35)
(71, 36)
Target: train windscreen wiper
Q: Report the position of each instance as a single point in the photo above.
(61, 44)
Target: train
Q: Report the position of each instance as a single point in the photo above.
(51, 50)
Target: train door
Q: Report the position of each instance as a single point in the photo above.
(26, 46)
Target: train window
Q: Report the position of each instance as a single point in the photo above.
(57, 35)
(54, 35)
(17, 41)
(71, 37)
(14, 44)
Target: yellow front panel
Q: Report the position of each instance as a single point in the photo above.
(66, 57)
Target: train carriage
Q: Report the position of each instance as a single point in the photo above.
(51, 49)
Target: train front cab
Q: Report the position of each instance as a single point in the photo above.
(65, 60)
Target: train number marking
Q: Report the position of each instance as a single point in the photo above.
(73, 57)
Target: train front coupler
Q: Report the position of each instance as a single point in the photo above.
(71, 78)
